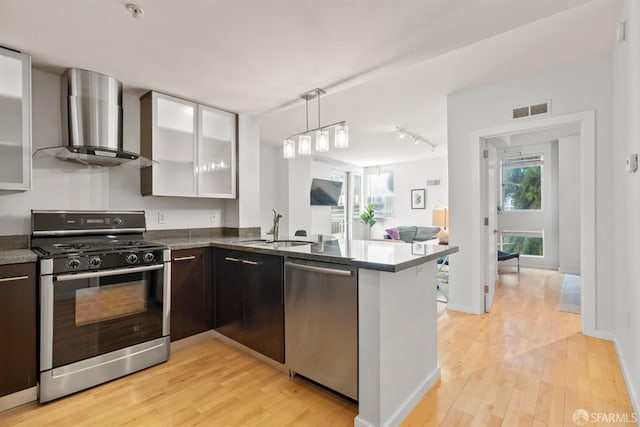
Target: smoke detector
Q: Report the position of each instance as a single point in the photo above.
(136, 11)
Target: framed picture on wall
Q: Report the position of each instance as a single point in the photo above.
(418, 197)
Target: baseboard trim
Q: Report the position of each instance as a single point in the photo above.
(603, 335)
(409, 404)
(18, 398)
(461, 308)
(625, 374)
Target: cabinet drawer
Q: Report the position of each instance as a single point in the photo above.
(17, 273)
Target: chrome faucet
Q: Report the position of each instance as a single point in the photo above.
(276, 224)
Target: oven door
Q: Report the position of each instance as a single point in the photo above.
(88, 314)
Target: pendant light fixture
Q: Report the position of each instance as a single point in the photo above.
(321, 132)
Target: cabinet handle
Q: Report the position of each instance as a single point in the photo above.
(244, 261)
(227, 258)
(12, 279)
(184, 258)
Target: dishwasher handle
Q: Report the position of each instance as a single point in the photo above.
(324, 270)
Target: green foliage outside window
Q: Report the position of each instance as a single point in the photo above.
(522, 187)
(522, 244)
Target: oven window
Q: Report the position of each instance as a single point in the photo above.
(103, 314)
(110, 302)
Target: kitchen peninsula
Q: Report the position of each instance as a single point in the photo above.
(396, 320)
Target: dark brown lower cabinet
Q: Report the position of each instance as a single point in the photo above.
(191, 292)
(249, 300)
(18, 365)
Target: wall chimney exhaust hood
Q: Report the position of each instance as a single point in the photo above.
(92, 122)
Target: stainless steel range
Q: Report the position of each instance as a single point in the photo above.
(104, 298)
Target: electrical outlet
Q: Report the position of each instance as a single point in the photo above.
(160, 217)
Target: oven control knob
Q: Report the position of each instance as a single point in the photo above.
(131, 258)
(73, 263)
(117, 221)
(95, 262)
(148, 257)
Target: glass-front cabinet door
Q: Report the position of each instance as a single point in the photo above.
(15, 121)
(174, 147)
(194, 145)
(217, 153)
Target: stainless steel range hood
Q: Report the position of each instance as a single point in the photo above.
(92, 122)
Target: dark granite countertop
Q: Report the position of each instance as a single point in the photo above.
(17, 256)
(372, 255)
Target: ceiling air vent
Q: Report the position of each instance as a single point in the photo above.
(520, 112)
(539, 109)
(532, 110)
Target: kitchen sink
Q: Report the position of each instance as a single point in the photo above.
(273, 245)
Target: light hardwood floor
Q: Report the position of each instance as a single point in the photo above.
(525, 363)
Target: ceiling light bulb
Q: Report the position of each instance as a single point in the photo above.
(304, 145)
(416, 140)
(289, 147)
(401, 135)
(342, 136)
(322, 141)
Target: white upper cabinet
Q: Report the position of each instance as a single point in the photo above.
(194, 145)
(15, 121)
(217, 153)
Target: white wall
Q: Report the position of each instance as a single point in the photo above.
(408, 176)
(274, 187)
(244, 211)
(62, 185)
(569, 204)
(574, 88)
(298, 184)
(622, 217)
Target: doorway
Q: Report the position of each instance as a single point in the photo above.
(533, 178)
(585, 122)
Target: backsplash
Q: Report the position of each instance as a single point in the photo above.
(20, 241)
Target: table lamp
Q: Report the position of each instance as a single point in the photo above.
(440, 218)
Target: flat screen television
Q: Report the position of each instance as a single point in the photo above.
(325, 192)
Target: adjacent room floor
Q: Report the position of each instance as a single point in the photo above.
(525, 363)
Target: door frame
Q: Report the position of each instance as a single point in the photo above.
(586, 120)
(488, 167)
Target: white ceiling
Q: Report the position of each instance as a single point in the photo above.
(257, 56)
(415, 97)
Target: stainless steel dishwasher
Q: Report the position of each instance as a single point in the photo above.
(321, 323)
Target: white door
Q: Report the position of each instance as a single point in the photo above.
(489, 164)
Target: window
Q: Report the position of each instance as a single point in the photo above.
(357, 196)
(522, 183)
(379, 189)
(525, 242)
(337, 212)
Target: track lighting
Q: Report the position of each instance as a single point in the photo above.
(416, 138)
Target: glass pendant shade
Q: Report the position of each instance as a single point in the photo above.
(304, 145)
(342, 136)
(322, 141)
(289, 146)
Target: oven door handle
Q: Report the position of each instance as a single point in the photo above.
(105, 273)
